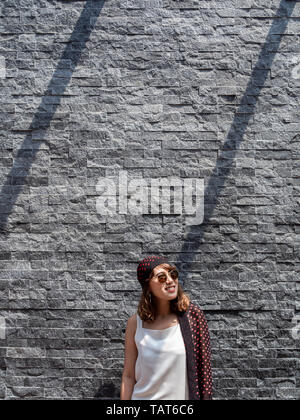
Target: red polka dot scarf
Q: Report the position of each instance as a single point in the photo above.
(146, 266)
(196, 338)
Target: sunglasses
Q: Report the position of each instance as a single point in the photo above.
(162, 277)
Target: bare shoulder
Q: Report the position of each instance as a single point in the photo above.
(131, 323)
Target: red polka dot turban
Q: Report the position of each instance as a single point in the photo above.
(146, 266)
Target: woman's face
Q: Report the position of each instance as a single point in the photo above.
(164, 283)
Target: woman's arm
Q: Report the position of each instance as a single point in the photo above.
(131, 353)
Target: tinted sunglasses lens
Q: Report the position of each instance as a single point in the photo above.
(162, 278)
(174, 274)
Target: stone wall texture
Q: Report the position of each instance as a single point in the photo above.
(157, 88)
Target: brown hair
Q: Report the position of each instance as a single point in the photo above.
(146, 307)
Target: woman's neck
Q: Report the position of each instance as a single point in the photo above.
(163, 308)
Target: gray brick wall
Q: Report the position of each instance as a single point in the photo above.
(192, 89)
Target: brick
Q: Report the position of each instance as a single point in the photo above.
(157, 88)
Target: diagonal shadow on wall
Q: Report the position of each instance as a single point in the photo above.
(226, 157)
(26, 154)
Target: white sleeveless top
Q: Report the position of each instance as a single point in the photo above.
(160, 369)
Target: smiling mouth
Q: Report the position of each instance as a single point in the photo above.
(170, 289)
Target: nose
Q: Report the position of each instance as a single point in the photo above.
(169, 278)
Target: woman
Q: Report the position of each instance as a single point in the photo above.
(167, 345)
